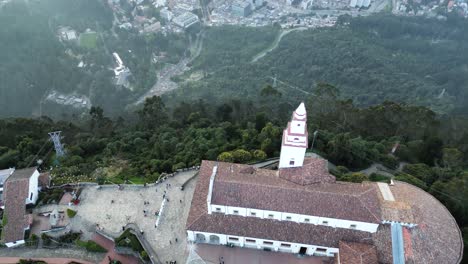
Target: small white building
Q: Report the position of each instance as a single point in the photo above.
(166, 14)
(21, 189)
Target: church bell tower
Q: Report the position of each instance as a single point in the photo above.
(295, 140)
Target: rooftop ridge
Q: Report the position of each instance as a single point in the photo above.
(367, 208)
(357, 195)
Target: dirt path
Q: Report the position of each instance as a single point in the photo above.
(275, 43)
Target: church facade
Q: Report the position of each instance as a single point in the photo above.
(301, 208)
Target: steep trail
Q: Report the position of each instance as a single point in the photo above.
(275, 43)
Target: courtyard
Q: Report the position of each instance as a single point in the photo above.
(110, 208)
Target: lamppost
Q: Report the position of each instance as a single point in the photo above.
(313, 139)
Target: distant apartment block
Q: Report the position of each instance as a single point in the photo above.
(241, 8)
(186, 20)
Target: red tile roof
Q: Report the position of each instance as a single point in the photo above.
(437, 238)
(44, 179)
(286, 231)
(15, 194)
(314, 170)
(357, 253)
(232, 187)
(227, 173)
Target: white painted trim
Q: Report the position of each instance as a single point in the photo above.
(210, 190)
(298, 218)
(260, 243)
(15, 244)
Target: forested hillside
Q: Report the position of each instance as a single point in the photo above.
(33, 59)
(370, 59)
(37, 60)
(159, 139)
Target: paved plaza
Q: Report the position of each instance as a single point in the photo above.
(109, 209)
(213, 254)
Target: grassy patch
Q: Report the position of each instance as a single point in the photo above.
(50, 196)
(71, 213)
(91, 246)
(88, 40)
(127, 239)
(137, 180)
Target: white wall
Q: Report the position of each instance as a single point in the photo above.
(258, 243)
(33, 188)
(210, 189)
(17, 243)
(299, 218)
(288, 153)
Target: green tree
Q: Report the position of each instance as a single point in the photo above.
(259, 154)
(452, 158)
(355, 177)
(241, 155)
(226, 157)
(153, 114)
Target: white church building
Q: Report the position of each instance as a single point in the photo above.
(299, 208)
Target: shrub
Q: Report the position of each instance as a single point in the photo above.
(420, 171)
(241, 155)
(226, 156)
(179, 165)
(259, 154)
(71, 213)
(69, 237)
(133, 243)
(31, 261)
(144, 255)
(355, 177)
(379, 178)
(94, 247)
(411, 179)
(389, 161)
(100, 180)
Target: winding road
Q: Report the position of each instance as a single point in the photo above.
(275, 43)
(164, 83)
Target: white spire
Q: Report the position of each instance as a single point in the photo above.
(300, 112)
(295, 140)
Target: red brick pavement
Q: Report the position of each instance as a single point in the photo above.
(236, 255)
(109, 245)
(8, 260)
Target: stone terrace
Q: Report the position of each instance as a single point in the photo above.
(96, 210)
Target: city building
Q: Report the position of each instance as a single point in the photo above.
(166, 14)
(306, 4)
(257, 3)
(301, 208)
(359, 3)
(20, 189)
(121, 72)
(151, 28)
(185, 20)
(126, 25)
(67, 34)
(241, 8)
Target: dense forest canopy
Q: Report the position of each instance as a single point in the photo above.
(37, 62)
(371, 59)
(33, 59)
